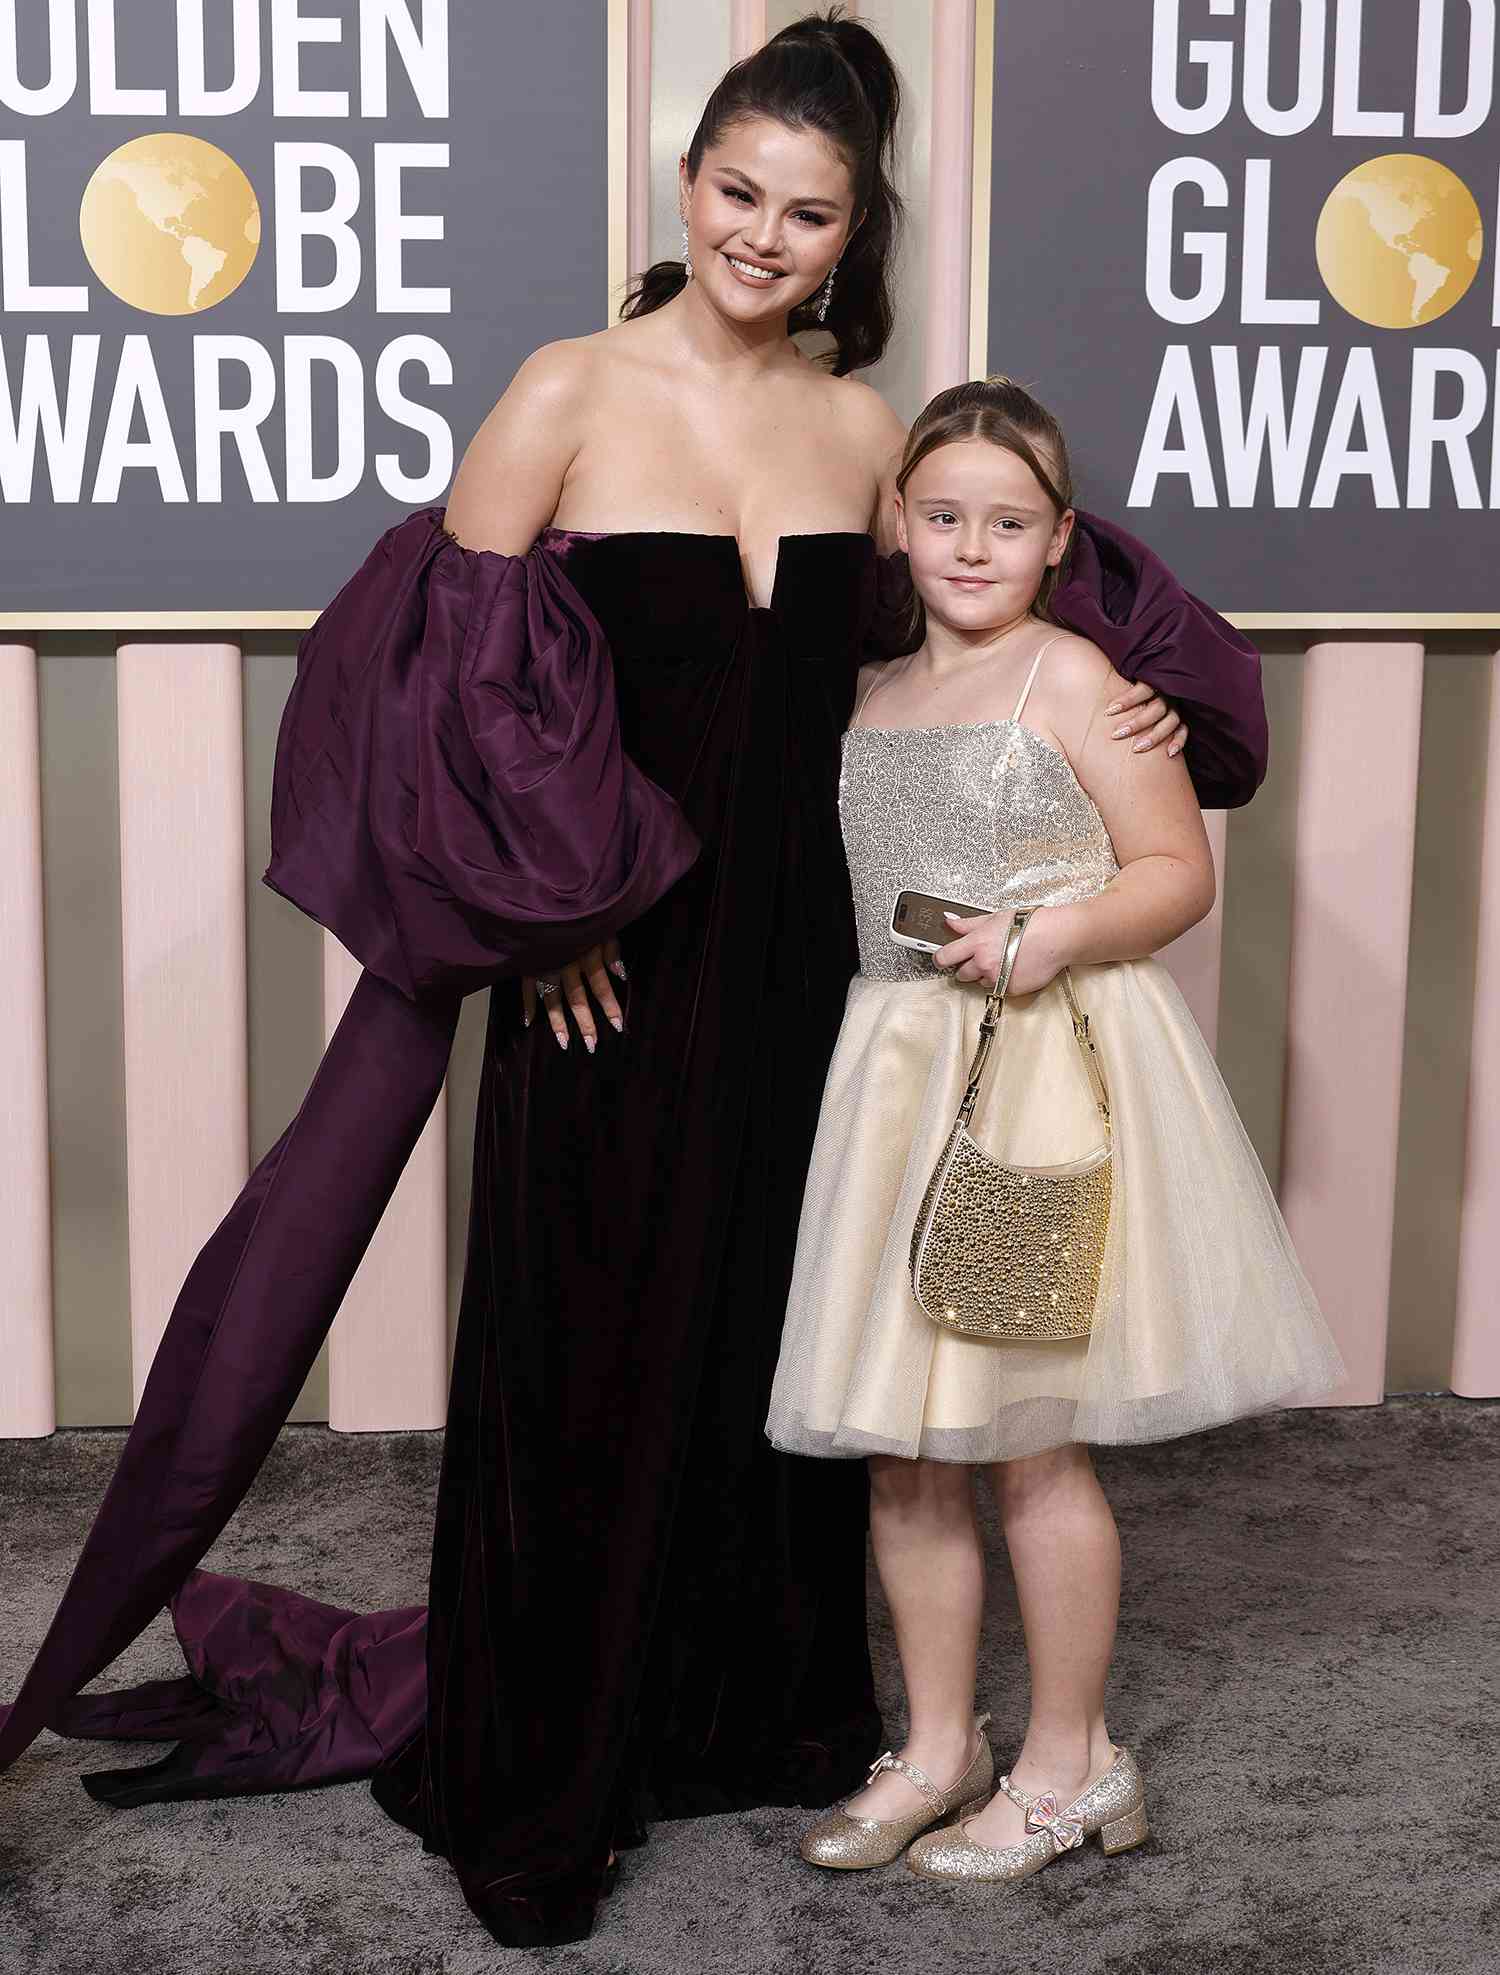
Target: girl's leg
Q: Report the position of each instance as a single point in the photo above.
(1065, 1553)
(931, 1568)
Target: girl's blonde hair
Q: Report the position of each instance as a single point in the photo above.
(1005, 413)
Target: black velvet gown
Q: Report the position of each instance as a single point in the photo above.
(637, 1607)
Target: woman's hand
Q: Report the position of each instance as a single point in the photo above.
(977, 951)
(1149, 716)
(571, 989)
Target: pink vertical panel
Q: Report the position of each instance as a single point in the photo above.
(182, 913)
(638, 137)
(388, 1351)
(747, 27)
(1193, 960)
(1351, 912)
(26, 1403)
(1476, 1342)
(950, 194)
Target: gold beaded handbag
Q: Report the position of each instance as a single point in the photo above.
(1014, 1251)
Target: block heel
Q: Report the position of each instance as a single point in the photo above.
(1126, 1832)
(1113, 1810)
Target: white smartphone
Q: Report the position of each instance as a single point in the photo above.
(917, 920)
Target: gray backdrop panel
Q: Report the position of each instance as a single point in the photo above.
(1076, 143)
(525, 253)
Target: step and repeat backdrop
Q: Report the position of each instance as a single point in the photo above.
(265, 265)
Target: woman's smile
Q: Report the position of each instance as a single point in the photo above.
(758, 274)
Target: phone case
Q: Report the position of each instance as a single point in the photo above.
(917, 920)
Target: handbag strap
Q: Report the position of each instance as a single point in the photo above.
(989, 1028)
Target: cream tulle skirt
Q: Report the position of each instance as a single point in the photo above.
(1204, 1313)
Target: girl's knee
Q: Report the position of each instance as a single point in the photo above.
(1022, 1485)
(918, 1488)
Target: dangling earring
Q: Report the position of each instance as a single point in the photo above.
(825, 294)
(685, 260)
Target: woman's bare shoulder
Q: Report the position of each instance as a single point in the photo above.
(508, 482)
(875, 436)
(868, 419)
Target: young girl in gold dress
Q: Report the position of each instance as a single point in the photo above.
(980, 770)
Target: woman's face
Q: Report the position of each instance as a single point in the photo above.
(979, 530)
(767, 217)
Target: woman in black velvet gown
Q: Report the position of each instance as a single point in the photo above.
(637, 1607)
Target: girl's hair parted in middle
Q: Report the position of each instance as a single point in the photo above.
(1007, 415)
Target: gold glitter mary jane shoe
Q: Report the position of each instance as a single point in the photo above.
(854, 1844)
(1114, 1809)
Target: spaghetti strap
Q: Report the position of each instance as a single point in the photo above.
(860, 703)
(1031, 677)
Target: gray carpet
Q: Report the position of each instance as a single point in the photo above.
(1308, 1670)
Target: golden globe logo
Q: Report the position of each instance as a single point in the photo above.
(170, 224)
(1399, 241)
(1302, 419)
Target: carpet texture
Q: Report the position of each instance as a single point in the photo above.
(1308, 1666)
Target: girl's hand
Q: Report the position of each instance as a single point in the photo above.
(570, 988)
(1149, 716)
(979, 948)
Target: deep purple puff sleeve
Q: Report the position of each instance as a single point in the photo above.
(451, 796)
(1123, 597)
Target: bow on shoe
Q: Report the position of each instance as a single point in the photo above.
(1066, 1833)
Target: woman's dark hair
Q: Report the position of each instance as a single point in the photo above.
(832, 76)
(1007, 415)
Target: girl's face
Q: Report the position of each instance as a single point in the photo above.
(980, 530)
(767, 217)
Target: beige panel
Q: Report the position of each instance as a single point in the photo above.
(980, 239)
(638, 138)
(1351, 908)
(906, 31)
(1476, 1344)
(182, 920)
(85, 1042)
(1194, 959)
(752, 21)
(26, 1394)
(284, 951)
(1439, 1006)
(689, 52)
(617, 168)
(388, 1350)
(949, 195)
(1256, 945)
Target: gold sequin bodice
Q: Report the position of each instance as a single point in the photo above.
(988, 813)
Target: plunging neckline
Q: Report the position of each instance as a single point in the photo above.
(721, 535)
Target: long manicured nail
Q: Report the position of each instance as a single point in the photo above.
(617, 968)
(590, 1043)
(1120, 733)
(525, 1019)
(1113, 707)
(1141, 746)
(617, 1025)
(562, 1038)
